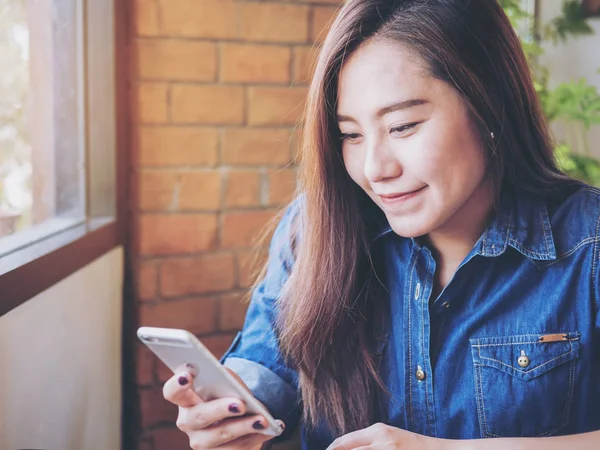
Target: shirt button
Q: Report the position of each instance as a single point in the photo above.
(417, 291)
(523, 359)
(420, 374)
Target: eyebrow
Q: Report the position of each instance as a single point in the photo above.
(405, 104)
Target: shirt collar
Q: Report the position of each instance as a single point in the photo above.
(522, 222)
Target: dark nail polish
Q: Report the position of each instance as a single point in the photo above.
(234, 408)
(258, 425)
(183, 380)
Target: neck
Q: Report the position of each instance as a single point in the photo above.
(453, 242)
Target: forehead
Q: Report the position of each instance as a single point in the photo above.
(377, 72)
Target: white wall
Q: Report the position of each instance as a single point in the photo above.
(60, 364)
(577, 58)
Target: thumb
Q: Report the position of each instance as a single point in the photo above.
(179, 390)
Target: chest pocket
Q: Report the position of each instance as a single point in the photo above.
(524, 384)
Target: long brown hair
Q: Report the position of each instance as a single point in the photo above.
(327, 304)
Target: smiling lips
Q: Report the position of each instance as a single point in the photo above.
(394, 199)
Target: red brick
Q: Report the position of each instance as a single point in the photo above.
(296, 144)
(145, 365)
(170, 439)
(177, 146)
(207, 273)
(146, 17)
(179, 191)
(151, 103)
(242, 188)
(212, 104)
(242, 229)
(163, 373)
(273, 22)
(169, 234)
(249, 265)
(156, 191)
(204, 19)
(232, 312)
(304, 62)
(322, 19)
(174, 59)
(256, 146)
(196, 315)
(255, 63)
(200, 190)
(275, 106)
(155, 409)
(282, 186)
(146, 280)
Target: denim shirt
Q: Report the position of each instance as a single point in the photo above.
(511, 346)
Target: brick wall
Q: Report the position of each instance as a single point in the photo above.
(219, 87)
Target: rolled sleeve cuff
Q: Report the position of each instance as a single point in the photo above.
(280, 398)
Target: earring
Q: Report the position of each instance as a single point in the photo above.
(492, 135)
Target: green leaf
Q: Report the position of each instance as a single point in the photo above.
(571, 22)
(576, 102)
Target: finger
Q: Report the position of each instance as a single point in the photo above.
(178, 390)
(229, 430)
(205, 414)
(356, 439)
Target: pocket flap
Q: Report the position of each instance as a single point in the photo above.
(503, 353)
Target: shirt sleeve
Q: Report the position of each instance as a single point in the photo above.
(596, 274)
(255, 353)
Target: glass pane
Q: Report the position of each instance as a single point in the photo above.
(41, 145)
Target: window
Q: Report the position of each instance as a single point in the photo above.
(15, 164)
(58, 167)
(41, 138)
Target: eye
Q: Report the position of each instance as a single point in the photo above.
(404, 128)
(350, 137)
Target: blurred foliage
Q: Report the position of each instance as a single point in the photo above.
(575, 104)
(15, 149)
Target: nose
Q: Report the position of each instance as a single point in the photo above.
(380, 162)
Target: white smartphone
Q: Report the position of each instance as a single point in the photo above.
(177, 348)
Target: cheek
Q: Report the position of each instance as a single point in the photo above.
(451, 161)
(353, 161)
(426, 158)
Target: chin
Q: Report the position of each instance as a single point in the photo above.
(409, 228)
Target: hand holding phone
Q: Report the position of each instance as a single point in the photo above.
(208, 390)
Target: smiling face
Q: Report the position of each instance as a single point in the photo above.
(409, 142)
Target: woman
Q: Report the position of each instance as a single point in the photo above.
(438, 276)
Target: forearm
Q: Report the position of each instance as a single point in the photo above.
(585, 441)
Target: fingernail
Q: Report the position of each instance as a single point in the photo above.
(183, 380)
(234, 408)
(258, 425)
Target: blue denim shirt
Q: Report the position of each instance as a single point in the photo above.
(511, 347)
